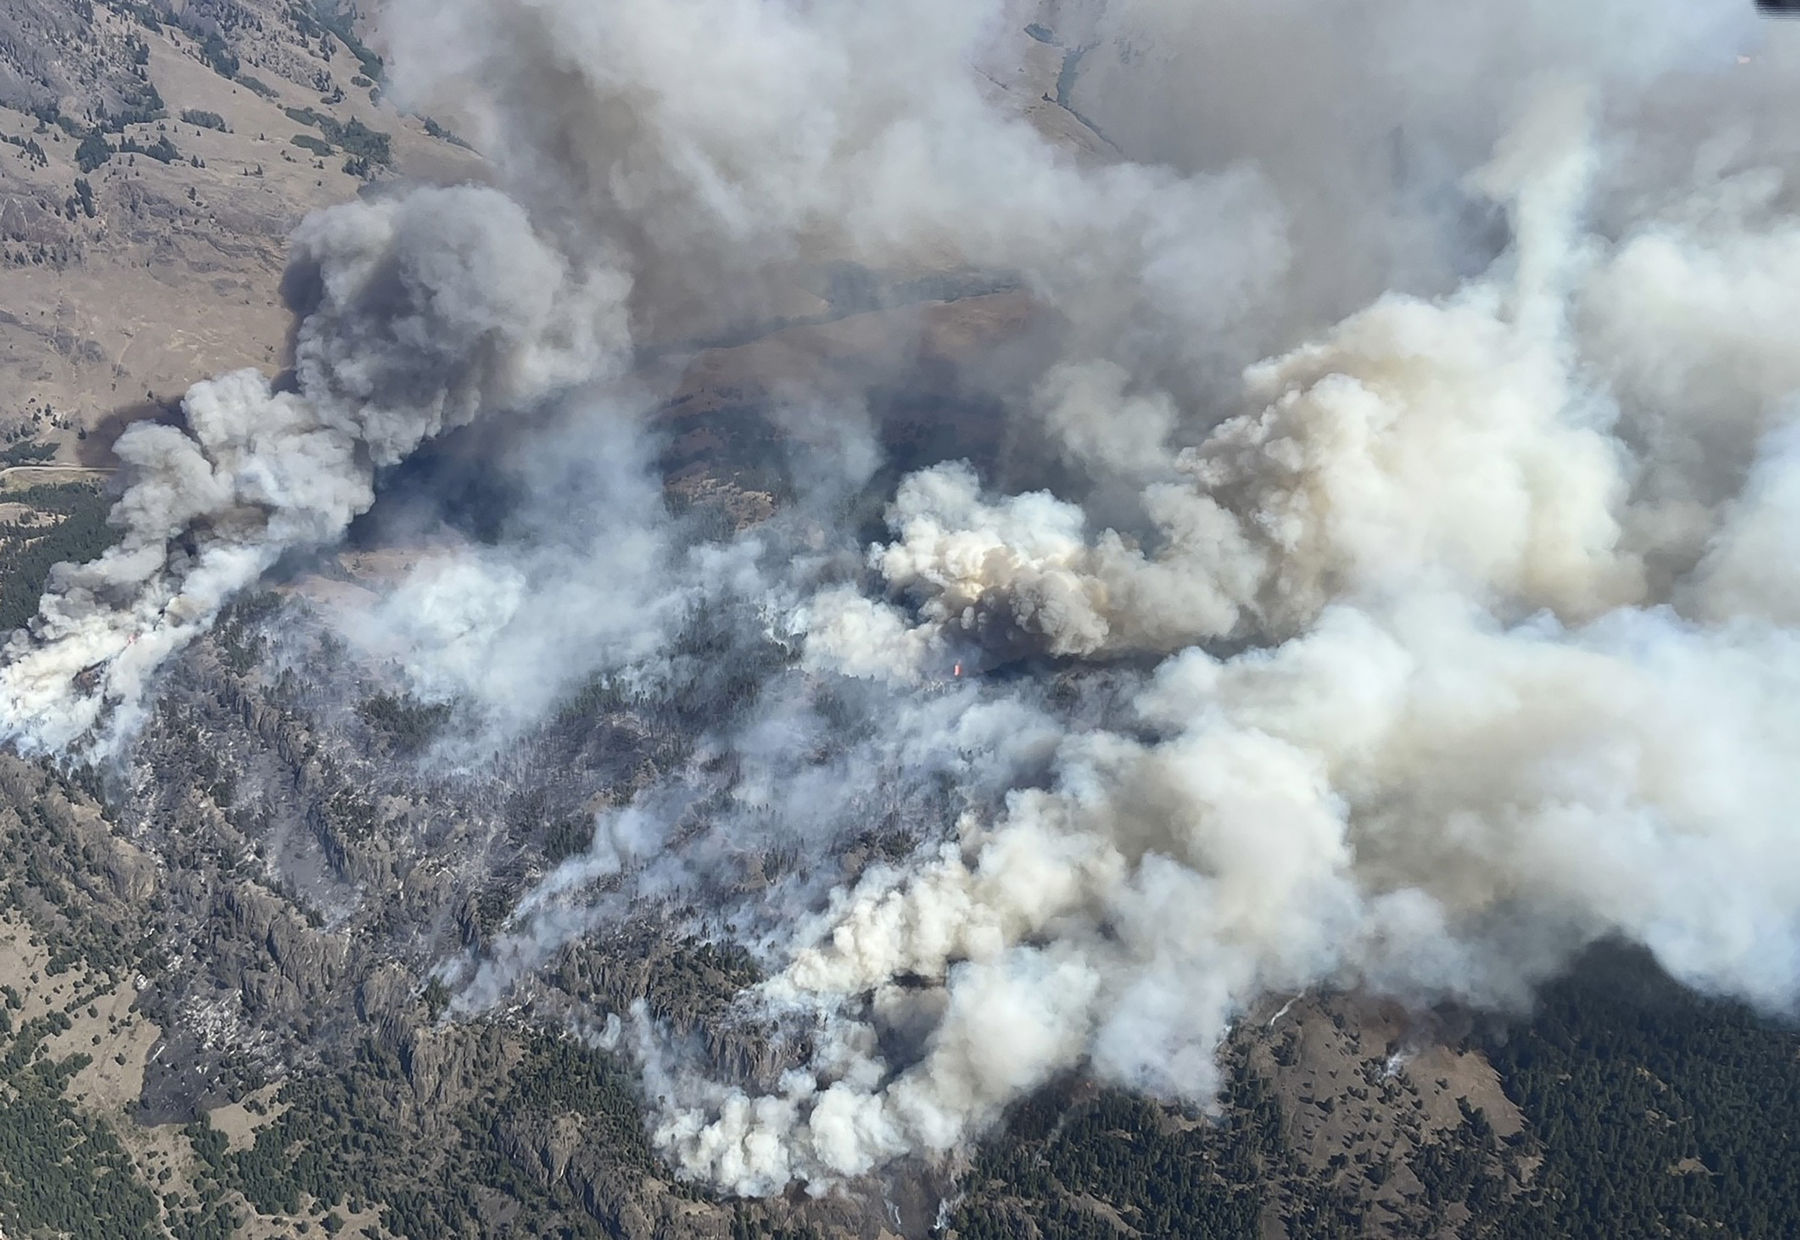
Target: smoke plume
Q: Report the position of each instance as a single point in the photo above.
(420, 313)
(1387, 575)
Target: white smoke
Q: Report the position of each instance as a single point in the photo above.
(1485, 747)
(1455, 442)
(426, 311)
(1506, 559)
(1421, 406)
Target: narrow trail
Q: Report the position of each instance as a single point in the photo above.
(33, 471)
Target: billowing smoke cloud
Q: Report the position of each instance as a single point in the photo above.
(1450, 441)
(420, 313)
(1387, 578)
(1470, 738)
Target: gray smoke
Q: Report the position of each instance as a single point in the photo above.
(1502, 687)
(1470, 739)
(1390, 558)
(420, 314)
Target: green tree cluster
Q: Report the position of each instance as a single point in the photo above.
(29, 551)
(357, 139)
(1656, 1111)
(1071, 1168)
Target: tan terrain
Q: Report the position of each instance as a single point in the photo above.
(172, 273)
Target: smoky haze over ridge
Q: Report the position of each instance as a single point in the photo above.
(1387, 565)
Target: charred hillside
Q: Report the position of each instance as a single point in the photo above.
(966, 617)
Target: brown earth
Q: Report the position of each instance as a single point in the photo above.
(176, 273)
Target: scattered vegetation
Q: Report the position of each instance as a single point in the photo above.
(218, 54)
(93, 151)
(162, 150)
(341, 22)
(1651, 1111)
(356, 138)
(1065, 1167)
(30, 452)
(62, 1171)
(29, 150)
(1657, 1112)
(146, 14)
(238, 630)
(567, 836)
(74, 529)
(204, 120)
(83, 199)
(1464, 1167)
(341, 1143)
(142, 106)
(407, 723)
(444, 135)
